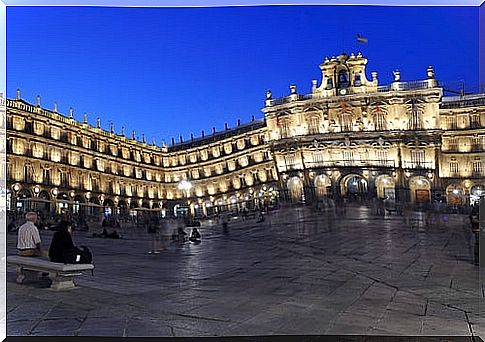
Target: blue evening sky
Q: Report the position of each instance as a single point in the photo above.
(167, 72)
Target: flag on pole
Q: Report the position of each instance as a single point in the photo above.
(361, 39)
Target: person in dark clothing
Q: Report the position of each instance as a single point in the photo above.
(61, 242)
(195, 236)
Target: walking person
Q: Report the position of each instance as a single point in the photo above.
(153, 231)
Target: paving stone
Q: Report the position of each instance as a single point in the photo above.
(298, 273)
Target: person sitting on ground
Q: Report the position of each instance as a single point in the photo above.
(28, 240)
(195, 236)
(181, 235)
(61, 243)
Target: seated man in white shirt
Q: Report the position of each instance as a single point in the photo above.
(28, 241)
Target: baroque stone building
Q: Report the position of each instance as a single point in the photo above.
(350, 137)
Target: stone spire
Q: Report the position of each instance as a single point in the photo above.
(18, 94)
(71, 113)
(55, 107)
(37, 101)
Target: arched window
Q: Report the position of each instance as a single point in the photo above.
(343, 79)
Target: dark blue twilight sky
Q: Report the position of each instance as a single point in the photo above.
(170, 71)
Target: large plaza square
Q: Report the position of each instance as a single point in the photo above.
(301, 271)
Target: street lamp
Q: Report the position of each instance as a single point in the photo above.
(185, 186)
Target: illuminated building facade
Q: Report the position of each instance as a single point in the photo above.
(350, 137)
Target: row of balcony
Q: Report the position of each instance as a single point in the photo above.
(356, 163)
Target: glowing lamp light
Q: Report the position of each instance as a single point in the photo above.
(185, 185)
(419, 182)
(36, 190)
(430, 175)
(455, 191)
(16, 187)
(362, 181)
(233, 200)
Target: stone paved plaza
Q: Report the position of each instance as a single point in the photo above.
(299, 272)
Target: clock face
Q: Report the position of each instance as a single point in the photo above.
(343, 91)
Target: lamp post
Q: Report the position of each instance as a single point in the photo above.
(185, 186)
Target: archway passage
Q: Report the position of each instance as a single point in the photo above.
(295, 189)
(78, 205)
(455, 194)
(475, 192)
(322, 186)
(24, 200)
(385, 186)
(44, 203)
(354, 187)
(109, 206)
(420, 188)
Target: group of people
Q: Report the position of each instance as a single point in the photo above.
(163, 231)
(62, 248)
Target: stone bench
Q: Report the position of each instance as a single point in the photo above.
(62, 275)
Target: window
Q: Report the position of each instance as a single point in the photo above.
(382, 157)
(313, 125)
(46, 174)
(348, 157)
(95, 184)
(318, 158)
(289, 161)
(416, 121)
(453, 167)
(346, 122)
(477, 167)
(451, 122)
(284, 130)
(474, 121)
(357, 80)
(28, 173)
(452, 144)
(343, 79)
(417, 158)
(63, 179)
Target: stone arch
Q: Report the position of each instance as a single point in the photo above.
(44, 195)
(385, 186)
(295, 189)
(322, 185)
(455, 194)
(25, 193)
(476, 191)
(109, 206)
(420, 188)
(353, 184)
